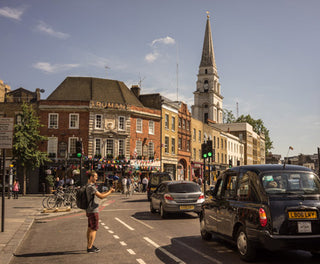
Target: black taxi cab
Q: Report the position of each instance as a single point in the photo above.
(276, 207)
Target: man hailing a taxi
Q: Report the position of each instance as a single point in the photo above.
(93, 210)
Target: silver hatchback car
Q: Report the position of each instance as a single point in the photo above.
(176, 196)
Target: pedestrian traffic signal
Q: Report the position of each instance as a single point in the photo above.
(79, 148)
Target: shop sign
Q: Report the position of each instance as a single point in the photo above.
(108, 105)
(145, 163)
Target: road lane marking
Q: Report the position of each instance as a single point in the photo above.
(123, 243)
(140, 261)
(116, 237)
(139, 221)
(111, 232)
(103, 224)
(176, 259)
(131, 251)
(127, 226)
(213, 260)
(106, 227)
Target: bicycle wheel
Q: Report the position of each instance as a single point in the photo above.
(45, 202)
(72, 201)
(52, 202)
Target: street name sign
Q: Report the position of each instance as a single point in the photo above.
(6, 132)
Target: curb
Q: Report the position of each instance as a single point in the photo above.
(9, 250)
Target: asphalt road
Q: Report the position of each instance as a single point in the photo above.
(129, 233)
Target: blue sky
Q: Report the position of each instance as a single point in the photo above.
(267, 53)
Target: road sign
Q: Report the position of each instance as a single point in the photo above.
(6, 132)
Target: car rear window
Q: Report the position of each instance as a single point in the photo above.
(291, 182)
(157, 179)
(183, 188)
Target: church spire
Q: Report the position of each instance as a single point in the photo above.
(208, 59)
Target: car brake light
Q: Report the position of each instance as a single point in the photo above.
(201, 197)
(168, 197)
(263, 217)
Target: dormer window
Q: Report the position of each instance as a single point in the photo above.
(206, 86)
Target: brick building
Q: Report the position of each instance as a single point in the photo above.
(10, 106)
(113, 125)
(169, 130)
(184, 142)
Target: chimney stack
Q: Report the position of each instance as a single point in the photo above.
(136, 90)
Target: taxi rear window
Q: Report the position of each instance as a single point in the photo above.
(291, 182)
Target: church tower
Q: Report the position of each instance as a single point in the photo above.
(207, 97)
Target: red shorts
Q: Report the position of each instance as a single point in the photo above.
(93, 221)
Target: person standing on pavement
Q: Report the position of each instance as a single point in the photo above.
(93, 210)
(15, 189)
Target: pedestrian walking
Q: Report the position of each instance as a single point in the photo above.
(129, 187)
(93, 210)
(124, 185)
(144, 183)
(15, 189)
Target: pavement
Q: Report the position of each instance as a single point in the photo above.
(18, 218)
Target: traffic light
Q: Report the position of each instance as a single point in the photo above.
(79, 148)
(209, 148)
(206, 149)
(230, 163)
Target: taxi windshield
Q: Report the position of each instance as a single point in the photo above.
(291, 183)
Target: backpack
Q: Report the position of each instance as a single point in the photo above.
(81, 197)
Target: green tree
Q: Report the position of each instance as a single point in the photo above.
(25, 142)
(258, 127)
(228, 117)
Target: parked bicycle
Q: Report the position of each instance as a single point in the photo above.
(62, 197)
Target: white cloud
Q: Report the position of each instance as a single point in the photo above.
(14, 13)
(151, 57)
(43, 27)
(53, 68)
(154, 55)
(167, 40)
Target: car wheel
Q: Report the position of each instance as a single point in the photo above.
(162, 212)
(152, 210)
(205, 235)
(244, 245)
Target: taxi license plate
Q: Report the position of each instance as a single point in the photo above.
(186, 207)
(303, 215)
(304, 227)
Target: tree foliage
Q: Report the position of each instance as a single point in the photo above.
(257, 125)
(25, 141)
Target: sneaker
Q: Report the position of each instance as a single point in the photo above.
(93, 250)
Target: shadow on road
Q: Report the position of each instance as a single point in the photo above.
(47, 254)
(192, 249)
(129, 200)
(174, 216)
